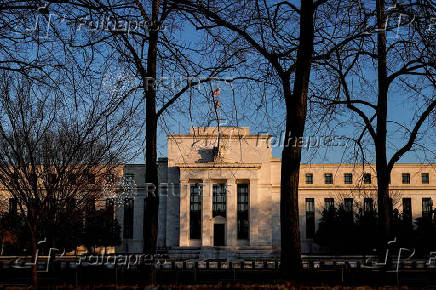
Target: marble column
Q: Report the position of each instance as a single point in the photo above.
(184, 213)
(231, 222)
(206, 212)
(253, 212)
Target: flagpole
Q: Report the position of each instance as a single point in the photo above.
(219, 120)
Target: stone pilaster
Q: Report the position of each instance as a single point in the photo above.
(231, 220)
(253, 212)
(206, 219)
(184, 213)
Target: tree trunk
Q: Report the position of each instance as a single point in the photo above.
(296, 105)
(383, 174)
(151, 173)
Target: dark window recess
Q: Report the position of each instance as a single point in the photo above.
(52, 178)
(72, 179)
(219, 200)
(243, 211)
(71, 204)
(367, 178)
(348, 178)
(329, 203)
(328, 178)
(406, 178)
(367, 204)
(309, 178)
(13, 204)
(407, 209)
(425, 178)
(310, 218)
(348, 205)
(195, 211)
(110, 205)
(90, 205)
(91, 178)
(128, 218)
(427, 208)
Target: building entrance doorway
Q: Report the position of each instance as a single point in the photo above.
(218, 235)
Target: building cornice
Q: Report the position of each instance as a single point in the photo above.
(218, 165)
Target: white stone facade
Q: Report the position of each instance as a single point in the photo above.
(242, 158)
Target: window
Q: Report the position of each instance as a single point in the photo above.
(407, 209)
(195, 211)
(348, 178)
(91, 178)
(425, 178)
(71, 204)
(110, 205)
(109, 202)
(310, 218)
(348, 207)
(219, 200)
(13, 206)
(427, 208)
(328, 178)
(52, 178)
(128, 218)
(367, 178)
(367, 204)
(329, 203)
(243, 209)
(348, 204)
(72, 178)
(90, 204)
(309, 178)
(406, 178)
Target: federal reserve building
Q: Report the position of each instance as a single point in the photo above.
(219, 196)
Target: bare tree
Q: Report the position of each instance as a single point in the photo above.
(56, 152)
(393, 62)
(280, 41)
(149, 51)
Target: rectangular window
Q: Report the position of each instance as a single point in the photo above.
(310, 218)
(348, 204)
(91, 178)
(71, 204)
(329, 203)
(195, 211)
(367, 178)
(406, 178)
(427, 207)
(407, 209)
(109, 203)
(13, 206)
(90, 204)
(425, 178)
(219, 200)
(367, 204)
(309, 178)
(243, 210)
(52, 178)
(328, 178)
(72, 178)
(348, 178)
(128, 218)
(348, 207)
